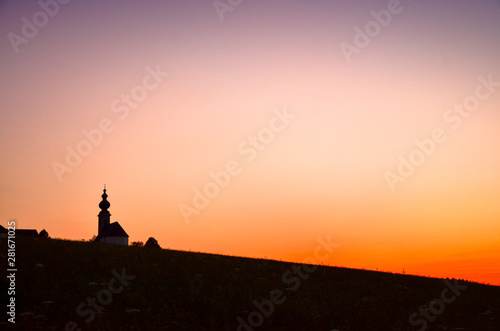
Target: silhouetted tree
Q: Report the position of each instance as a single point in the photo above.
(44, 234)
(137, 243)
(152, 242)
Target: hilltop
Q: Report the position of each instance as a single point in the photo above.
(70, 285)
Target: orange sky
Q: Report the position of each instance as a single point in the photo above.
(178, 95)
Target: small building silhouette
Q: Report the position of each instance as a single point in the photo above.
(27, 233)
(30, 233)
(109, 233)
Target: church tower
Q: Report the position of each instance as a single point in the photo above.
(107, 232)
(104, 213)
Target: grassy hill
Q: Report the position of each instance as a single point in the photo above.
(77, 285)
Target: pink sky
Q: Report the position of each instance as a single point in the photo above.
(323, 173)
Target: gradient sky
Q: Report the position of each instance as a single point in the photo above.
(322, 175)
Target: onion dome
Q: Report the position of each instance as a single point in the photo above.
(104, 204)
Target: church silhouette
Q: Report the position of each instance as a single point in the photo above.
(109, 233)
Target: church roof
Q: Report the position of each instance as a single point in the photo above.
(112, 230)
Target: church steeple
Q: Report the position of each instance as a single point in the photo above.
(104, 204)
(104, 214)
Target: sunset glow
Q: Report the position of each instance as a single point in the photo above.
(253, 131)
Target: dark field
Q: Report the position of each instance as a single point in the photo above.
(70, 285)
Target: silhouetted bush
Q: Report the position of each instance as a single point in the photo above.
(44, 234)
(137, 243)
(152, 242)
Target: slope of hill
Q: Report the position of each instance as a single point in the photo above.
(66, 285)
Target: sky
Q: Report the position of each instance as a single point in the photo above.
(255, 128)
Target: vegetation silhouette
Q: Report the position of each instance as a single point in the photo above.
(152, 243)
(179, 290)
(44, 234)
